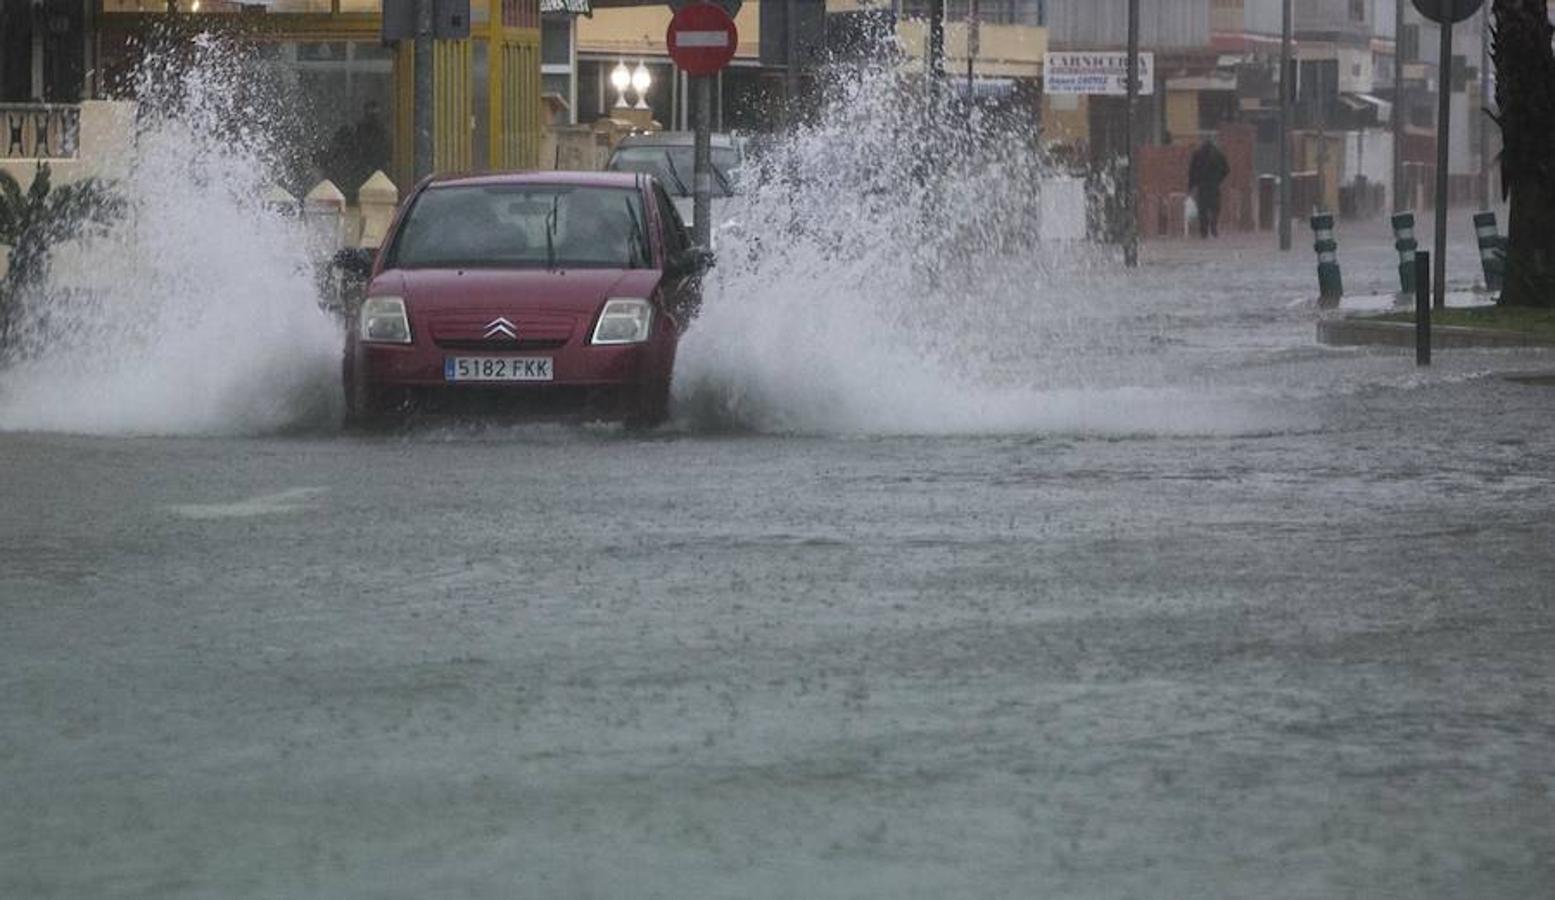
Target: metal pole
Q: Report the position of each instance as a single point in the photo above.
(1422, 308)
(1131, 184)
(973, 40)
(937, 40)
(422, 116)
(701, 164)
(1285, 90)
(1398, 109)
(1485, 192)
(790, 53)
(1443, 135)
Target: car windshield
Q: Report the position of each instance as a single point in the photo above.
(673, 166)
(523, 226)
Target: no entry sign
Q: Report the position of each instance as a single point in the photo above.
(701, 38)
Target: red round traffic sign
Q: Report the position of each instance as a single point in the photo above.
(701, 38)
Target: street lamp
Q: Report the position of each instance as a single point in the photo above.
(641, 81)
(620, 79)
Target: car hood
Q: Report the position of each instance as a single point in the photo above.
(562, 290)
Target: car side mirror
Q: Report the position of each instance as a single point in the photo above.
(689, 262)
(356, 261)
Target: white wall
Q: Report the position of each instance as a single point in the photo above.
(1369, 154)
(1094, 24)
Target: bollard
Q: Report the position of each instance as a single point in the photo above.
(1329, 280)
(1423, 308)
(1492, 250)
(278, 200)
(324, 211)
(377, 198)
(1406, 245)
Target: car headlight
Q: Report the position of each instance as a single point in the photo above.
(623, 321)
(383, 320)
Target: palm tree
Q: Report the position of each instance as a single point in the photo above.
(1525, 97)
(34, 220)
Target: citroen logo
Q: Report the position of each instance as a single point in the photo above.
(500, 328)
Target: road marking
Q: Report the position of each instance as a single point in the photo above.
(289, 501)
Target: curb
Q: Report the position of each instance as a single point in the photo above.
(1369, 332)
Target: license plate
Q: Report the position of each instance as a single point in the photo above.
(497, 368)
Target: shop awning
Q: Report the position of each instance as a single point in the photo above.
(575, 7)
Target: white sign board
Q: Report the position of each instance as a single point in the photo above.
(1081, 72)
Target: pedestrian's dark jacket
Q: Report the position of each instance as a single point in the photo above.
(1206, 171)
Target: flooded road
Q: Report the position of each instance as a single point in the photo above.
(1219, 613)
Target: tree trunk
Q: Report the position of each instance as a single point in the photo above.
(1525, 97)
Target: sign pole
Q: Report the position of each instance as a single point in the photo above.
(701, 39)
(1443, 136)
(702, 164)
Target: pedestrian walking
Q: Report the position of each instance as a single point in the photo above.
(1206, 170)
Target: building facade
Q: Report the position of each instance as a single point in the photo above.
(348, 92)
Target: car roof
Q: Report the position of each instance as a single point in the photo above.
(542, 177)
(671, 139)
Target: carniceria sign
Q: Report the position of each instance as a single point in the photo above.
(1099, 72)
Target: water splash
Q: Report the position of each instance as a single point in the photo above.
(889, 271)
(197, 310)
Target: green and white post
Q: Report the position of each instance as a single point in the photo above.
(1492, 250)
(1329, 280)
(1406, 245)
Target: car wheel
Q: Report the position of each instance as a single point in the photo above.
(651, 406)
(368, 409)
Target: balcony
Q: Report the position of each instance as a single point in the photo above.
(41, 131)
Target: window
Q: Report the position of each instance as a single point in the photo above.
(675, 239)
(521, 226)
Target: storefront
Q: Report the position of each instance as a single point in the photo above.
(351, 93)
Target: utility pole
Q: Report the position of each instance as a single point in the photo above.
(1398, 108)
(1131, 183)
(1285, 86)
(422, 117)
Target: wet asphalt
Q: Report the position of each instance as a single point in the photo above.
(1305, 651)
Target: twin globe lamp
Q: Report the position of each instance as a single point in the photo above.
(639, 80)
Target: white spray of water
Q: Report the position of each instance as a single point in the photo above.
(196, 311)
(887, 274)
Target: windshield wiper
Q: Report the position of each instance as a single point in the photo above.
(550, 233)
(638, 249)
(669, 160)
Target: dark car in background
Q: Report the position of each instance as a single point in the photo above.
(546, 292)
(669, 156)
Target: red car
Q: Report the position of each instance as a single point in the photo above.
(545, 292)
